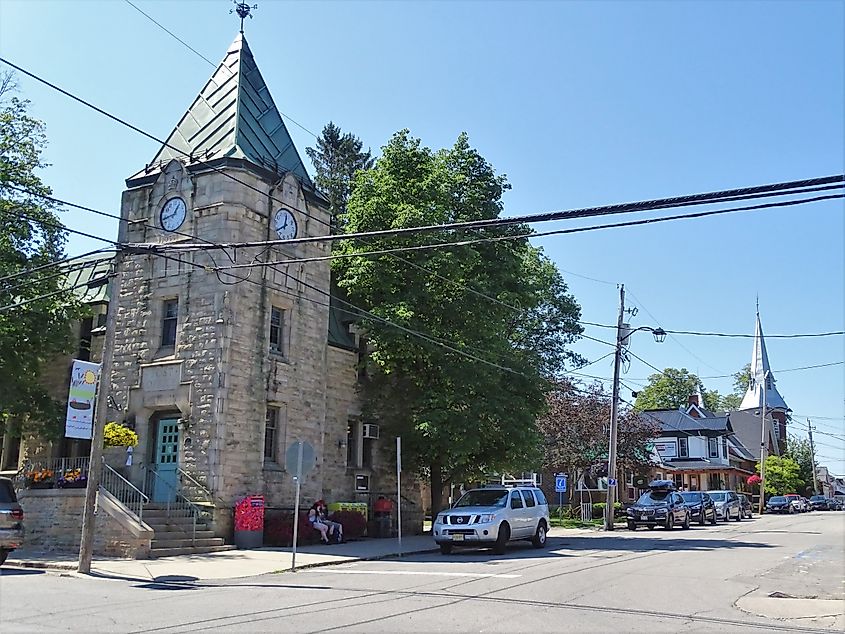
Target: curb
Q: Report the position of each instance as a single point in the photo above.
(67, 567)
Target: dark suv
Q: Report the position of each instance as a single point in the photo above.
(659, 506)
(700, 505)
(11, 520)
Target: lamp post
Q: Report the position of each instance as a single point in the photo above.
(623, 333)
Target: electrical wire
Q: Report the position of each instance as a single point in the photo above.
(61, 291)
(42, 267)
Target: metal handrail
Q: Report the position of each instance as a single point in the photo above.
(204, 490)
(181, 503)
(124, 491)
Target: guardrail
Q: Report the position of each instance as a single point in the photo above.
(124, 491)
(176, 501)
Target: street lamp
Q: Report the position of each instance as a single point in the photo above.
(623, 333)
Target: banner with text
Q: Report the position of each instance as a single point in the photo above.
(79, 422)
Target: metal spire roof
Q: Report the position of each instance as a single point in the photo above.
(234, 117)
(753, 398)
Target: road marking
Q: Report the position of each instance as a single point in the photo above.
(485, 575)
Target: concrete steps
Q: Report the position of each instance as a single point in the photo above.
(174, 533)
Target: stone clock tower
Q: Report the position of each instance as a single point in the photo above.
(220, 370)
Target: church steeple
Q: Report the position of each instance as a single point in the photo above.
(762, 377)
(233, 117)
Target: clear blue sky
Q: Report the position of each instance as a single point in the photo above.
(578, 103)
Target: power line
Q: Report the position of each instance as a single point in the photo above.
(61, 291)
(79, 266)
(503, 222)
(203, 57)
(42, 267)
(739, 335)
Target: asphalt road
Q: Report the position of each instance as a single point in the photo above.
(706, 579)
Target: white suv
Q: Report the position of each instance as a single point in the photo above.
(493, 516)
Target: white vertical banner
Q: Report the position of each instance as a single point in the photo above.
(79, 421)
(399, 491)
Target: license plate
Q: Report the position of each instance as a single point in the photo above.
(457, 537)
(643, 516)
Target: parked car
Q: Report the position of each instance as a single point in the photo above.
(820, 503)
(727, 505)
(661, 505)
(493, 517)
(779, 504)
(835, 505)
(11, 520)
(745, 505)
(796, 502)
(700, 505)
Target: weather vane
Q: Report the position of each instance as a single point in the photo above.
(243, 10)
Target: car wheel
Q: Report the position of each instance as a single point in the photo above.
(632, 526)
(670, 522)
(502, 539)
(702, 518)
(3, 554)
(445, 549)
(650, 527)
(686, 523)
(713, 519)
(539, 539)
(739, 515)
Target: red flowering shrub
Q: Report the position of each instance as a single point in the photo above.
(754, 480)
(278, 529)
(354, 524)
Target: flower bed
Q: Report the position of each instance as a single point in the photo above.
(72, 479)
(39, 479)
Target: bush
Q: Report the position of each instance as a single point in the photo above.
(115, 435)
(354, 524)
(598, 510)
(278, 529)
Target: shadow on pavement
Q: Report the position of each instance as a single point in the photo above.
(18, 572)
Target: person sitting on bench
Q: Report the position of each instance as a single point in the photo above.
(314, 520)
(335, 528)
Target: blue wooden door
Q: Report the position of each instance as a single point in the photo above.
(166, 460)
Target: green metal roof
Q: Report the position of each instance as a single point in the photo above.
(93, 270)
(234, 117)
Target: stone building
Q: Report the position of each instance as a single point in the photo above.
(225, 356)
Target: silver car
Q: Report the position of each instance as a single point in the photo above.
(727, 505)
(493, 517)
(11, 520)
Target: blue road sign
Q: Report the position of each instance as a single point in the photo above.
(560, 484)
(611, 482)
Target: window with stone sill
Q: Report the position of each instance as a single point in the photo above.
(169, 321)
(277, 330)
(275, 428)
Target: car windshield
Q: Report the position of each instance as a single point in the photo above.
(778, 499)
(653, 498)
(718, 496)
(483, 497)
(818, 498)
(690, 496)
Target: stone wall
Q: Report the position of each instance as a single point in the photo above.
(53, 522)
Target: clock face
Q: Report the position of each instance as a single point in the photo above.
(173, 214)
(285, 224)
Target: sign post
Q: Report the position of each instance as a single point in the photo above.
(302, 455)
(560, 489)
(399, 491)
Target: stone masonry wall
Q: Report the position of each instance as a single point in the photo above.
(53, 522)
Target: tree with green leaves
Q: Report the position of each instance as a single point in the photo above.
(798, 449)
(336, 158)
(460, 377)
(671, 389)
(783, 475)
(36, 315)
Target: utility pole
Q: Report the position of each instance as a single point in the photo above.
(614, 415)
(86, 544)
(813, 458)
(764, 445)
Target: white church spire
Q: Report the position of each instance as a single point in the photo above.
(761, 377)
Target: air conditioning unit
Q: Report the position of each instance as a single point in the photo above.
(370, 431)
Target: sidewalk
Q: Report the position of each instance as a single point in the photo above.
(228, 564)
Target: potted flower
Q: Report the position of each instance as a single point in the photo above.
(72, 479)
(39, 479)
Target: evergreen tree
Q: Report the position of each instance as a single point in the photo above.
(336, 158)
